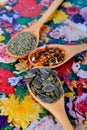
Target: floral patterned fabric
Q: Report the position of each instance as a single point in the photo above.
(68, 25)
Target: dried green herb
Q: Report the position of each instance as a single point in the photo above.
(45, 84)
(22, 44)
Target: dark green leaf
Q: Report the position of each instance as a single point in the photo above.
(21, 92)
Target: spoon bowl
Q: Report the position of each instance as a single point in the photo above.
(69, 52)
(34, 29)
(56, 108)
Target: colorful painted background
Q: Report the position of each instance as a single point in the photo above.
(68, 25)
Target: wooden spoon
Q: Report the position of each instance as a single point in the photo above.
(35, 28)
(56, 108)
(70, 51)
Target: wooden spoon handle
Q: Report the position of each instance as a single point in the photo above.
(74, 49)
(78, 48)
(62, 117)
(57, 109)
(55, 4)
(60, 114)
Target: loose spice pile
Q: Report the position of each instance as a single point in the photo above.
(45, 84)
(22, 44)
(50, 56)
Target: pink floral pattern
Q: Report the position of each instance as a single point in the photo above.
(4, 57)
(5, 87)
(32, 9)
(55, 33)
(45, 124)
(72, 10)
(69, 32)
(78, 107)
(46, 2)
(83, 12)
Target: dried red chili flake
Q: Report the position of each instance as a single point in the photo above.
(48, 56)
